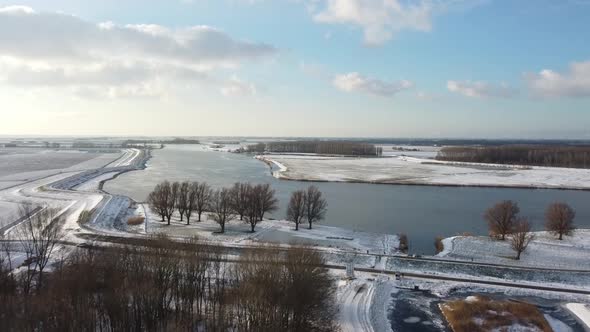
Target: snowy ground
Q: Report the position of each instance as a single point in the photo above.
(410, 170)
(276, 231)
(545, 250)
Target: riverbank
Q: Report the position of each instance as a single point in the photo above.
(269, 231)
(416, 171)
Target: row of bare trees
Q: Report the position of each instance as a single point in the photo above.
(503, 220)
(319, 147)
(555, 156)
(171, 286)
(188, 198)
(244, 200)
(248, 202)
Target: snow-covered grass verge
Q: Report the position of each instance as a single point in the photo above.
(410, 170)
(544, 251)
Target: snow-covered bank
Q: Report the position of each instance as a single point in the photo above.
(582, 313)
(409, 170)
(544, 251)
(276, 231)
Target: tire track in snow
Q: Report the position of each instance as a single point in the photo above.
(356, 306)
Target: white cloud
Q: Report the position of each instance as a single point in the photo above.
(573, 83)
(481, 89)
(380, 20)
(55, 49)
(355, 82)
(237, 87)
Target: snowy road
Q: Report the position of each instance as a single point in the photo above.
(355, 306)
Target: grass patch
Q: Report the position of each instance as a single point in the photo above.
(478, 313)
(134, 221)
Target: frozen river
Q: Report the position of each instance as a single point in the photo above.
(422, 212)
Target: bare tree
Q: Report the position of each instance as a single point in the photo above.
(41, 231)
(156, 203)
(202, 198)
(560, 219)
(222, 207)
(163, 200)
(521, 237)
(182, 199)
(268, 202)
(175, 192)
(296, 209)
(501, 218)
(316, 205)
(6, 249)
(169, 193)
(252, 213)
(191, 201)
(240, 192)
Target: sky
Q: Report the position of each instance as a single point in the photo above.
(321, 68)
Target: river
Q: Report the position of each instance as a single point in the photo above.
(422, 212)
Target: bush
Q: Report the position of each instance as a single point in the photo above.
(403, 242)
(438, 244)
(85, 216)
(134, 221)
(484, 314)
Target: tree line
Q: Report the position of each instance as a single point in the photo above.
(534, 155)
(318, 147)
(246, 201)
(169, 287)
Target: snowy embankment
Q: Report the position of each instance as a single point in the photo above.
(417, 171)
(544, 251)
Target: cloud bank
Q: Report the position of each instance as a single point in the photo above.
(575, 82)
(56, 49)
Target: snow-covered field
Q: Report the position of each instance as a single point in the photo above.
(19, 166)
(573, 252)
(14, 160)
(411, 170)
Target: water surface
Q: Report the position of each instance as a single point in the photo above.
(422, 212)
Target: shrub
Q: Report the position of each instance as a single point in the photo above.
(85, 216)
(136, 220)
(483, 314)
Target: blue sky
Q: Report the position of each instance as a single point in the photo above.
(370, 68)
